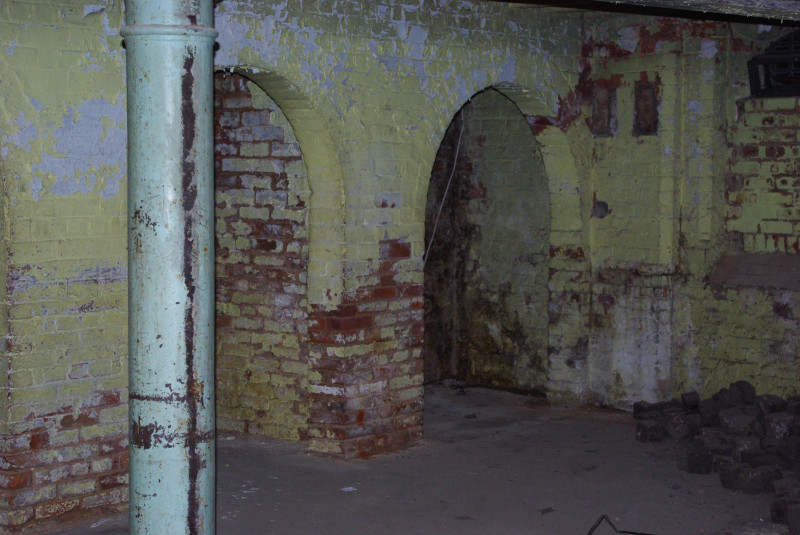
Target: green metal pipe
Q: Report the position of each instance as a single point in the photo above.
(169, 47)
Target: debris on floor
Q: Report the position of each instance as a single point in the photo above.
(516, 469)
(752, 441)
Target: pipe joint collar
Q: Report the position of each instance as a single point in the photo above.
(167, 29)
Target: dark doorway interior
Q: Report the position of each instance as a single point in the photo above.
(486, 270)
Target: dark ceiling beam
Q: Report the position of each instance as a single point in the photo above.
(772, 11)
(778, 10)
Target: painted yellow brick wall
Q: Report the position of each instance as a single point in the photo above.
(63, 170)
(763, 193)
(369, 89)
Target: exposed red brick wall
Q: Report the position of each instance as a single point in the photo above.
(65, 462)
(262, 256)
(359, 392)
(762, 188)
(366, 397)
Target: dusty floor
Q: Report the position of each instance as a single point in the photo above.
(492, 463)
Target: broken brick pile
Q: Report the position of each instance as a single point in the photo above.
(752, 441)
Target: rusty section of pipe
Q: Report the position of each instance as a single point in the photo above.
(169, 47)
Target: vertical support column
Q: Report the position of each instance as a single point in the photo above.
(169, 47)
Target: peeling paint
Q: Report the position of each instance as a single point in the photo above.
(27, 132)
(479, 77)
(23, 279)
(508, 70)
(88, 149)
(628, 38)
(695, 108)
(389, 62)
(708, 49)
(92, 9)
(383, 80)
(417, 36)
(36, 189)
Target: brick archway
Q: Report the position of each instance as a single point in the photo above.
(566, 356)
(488, 237)
(261, 198)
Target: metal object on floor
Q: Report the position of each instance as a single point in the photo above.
(169, 47)
(604, 518)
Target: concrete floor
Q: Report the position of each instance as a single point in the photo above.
(492, 463)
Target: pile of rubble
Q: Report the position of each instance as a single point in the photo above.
(752, 441)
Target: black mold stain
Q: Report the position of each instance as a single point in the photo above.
(481, 342)
(579, 352)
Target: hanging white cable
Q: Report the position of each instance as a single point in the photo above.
(446, 189)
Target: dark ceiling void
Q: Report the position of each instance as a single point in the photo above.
(773, 11)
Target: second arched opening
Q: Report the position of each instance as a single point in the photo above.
(487, 249)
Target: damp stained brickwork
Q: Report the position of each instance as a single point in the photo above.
(645, 109)
(735, 330)
(638, 204)
(63, 422)
(604, 110)
(370, 89)
(446, 240)
(366, 363)
(261, 195)
(762, 191)
(750, 313)
(487, 271)
(658, 324)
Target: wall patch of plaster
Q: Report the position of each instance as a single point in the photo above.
(236, 34)
(480, 77)
(694, 107)
(417, 37)
(308, 40)
(389, 62)
(91, 9)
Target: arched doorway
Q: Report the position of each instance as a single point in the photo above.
(487, 241)
(261, 196)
